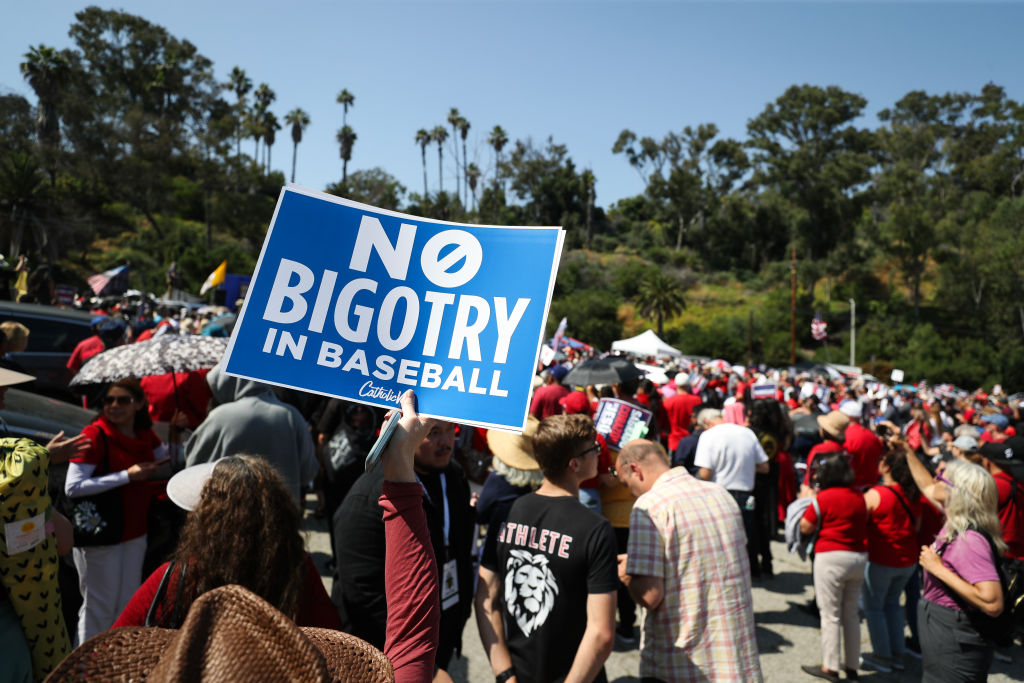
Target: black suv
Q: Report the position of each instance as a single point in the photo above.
(53, 335)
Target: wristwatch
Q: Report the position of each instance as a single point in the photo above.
(505, 675)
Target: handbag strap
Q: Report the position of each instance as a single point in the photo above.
(913, 520)
(161, 592)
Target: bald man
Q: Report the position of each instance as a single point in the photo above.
(687, 565)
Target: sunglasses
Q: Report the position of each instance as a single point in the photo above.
(596, 448)
(945, 481)
(120, 400)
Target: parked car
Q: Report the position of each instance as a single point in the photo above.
(40, 418)
(53, 335)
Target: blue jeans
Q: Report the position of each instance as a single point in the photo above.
(881, 601)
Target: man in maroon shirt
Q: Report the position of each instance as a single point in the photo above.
(679, 409)
(545, 400)
(1003, 460)
(863, 448)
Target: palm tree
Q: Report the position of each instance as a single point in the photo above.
(497, 139)
(463, 132)
(472, 176)
(346, 138)
(298, 120)
(423, 139)
(47, 71)
(453, 119)
(252, 123)
(240, 84)
(439, 135)
(270, 128)
(264, 95)
(346, 100)
(659, 296)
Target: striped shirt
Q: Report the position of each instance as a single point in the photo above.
(690, 533)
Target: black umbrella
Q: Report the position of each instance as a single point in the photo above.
(610, 370)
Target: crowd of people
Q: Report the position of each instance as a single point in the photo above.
(550, 538)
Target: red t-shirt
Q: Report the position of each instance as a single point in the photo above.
(864, 450)
(119, 452)
(679, 409)
(604, 465)
(844, 523)
(1011, 514)
(892, 538)
(86, 349)
(821, 449)
(315, 607)
(545, 400)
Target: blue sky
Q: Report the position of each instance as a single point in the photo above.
(577, 71)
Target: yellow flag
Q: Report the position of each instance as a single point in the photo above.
(215, 278)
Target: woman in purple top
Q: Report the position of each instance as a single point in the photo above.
(959, 574)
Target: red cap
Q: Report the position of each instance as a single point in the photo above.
(575, 402)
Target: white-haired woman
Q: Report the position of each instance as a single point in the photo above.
(960, 575)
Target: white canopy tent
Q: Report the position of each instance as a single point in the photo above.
(646, 344)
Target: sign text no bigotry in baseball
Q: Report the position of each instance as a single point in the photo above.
(361, 303)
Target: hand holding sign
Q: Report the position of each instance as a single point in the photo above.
(397, 460)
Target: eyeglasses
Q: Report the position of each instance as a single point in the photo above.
(945, 481)
(120, 400)
(596, 448)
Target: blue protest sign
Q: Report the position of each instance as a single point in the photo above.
(361, 303)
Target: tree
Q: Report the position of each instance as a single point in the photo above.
(270, 128)
(264, 96)
(660, 296)
(423, 138)
(472, 176)
(439, 135)
(240, 85)
(463, 126)
(298, 120)
(346, 139)
(346, 100)
(375, 187)
(453, 119)
(22, 193)
(588, 191)
(47, 72)
(804, 144)
(497, 139)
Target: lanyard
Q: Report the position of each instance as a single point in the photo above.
(444, 501)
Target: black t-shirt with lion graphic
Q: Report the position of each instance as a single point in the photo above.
(551, 553)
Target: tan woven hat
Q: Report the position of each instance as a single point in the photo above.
(230, 634)
(834, 424)
(515, 450)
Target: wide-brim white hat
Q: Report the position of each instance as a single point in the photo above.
(186, 487)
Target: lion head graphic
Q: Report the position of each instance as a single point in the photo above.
(530, 589)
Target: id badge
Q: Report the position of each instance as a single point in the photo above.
(449, 585)
(25, 534)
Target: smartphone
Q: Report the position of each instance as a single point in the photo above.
(386, 432)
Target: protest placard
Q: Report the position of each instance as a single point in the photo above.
(361, 303)
(620, 422)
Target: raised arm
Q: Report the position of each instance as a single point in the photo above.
(410, 573)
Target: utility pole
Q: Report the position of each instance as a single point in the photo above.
(792, 311)
(853, 332)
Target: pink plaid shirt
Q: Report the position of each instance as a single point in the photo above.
(690, 533)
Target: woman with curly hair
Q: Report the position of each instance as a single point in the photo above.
(124, 454)
(243, 528)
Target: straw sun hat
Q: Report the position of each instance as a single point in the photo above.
(230, 634)
(515, 450)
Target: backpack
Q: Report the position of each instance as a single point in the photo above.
(998, 630)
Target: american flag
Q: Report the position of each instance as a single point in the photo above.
(819, 328)
(113, 281)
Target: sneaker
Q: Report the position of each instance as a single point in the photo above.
(1003, 656)
(913, 648)
(897, 664)
(851, 674)
(875, 663)
(625, 634)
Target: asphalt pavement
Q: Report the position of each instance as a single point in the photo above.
(787, 636)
